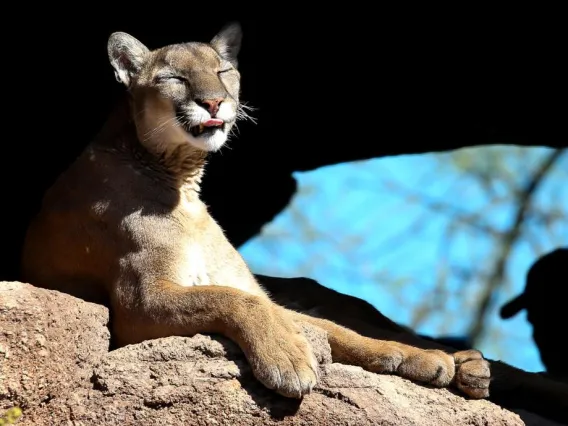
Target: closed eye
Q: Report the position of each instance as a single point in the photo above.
(226, 70)
(175, 78)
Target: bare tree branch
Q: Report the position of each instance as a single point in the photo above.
(439, 294)
(507, 242)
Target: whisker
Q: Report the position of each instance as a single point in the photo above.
(160, 128)
(244, 111)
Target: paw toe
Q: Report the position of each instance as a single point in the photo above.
(433, 367)
(469, 355)
(291, 371)
(473, 378)
(296, 384)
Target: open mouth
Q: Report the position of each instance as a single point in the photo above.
(207, 127)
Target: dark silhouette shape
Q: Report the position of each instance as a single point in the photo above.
(545, 300)
(458, 342)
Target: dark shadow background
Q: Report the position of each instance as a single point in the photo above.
(419, 79)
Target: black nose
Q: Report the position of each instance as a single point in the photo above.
(211, 105)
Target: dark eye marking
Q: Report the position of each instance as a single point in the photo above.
(224, 70)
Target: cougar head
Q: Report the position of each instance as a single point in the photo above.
(181, 93)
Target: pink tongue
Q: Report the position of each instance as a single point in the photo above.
(213, 122)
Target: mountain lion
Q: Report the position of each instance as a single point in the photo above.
(124, 225)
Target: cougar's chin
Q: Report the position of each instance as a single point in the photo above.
(210, 140)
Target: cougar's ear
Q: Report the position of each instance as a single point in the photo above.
(227, 42)
(126, 55)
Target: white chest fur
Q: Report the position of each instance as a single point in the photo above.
(193, 271)
(196, 272)
(215, 262)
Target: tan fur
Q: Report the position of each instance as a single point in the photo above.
(124, 225)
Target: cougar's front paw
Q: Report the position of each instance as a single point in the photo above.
(432, 367)
(285, 362)
(473, 374)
